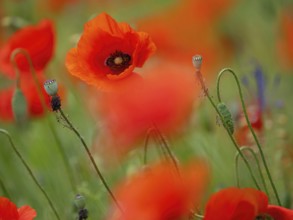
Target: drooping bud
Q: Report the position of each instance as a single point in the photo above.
(19, 106)
(51, 87)
(79, 202)
(227, 117)
(197, 61)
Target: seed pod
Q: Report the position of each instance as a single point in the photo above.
(51, 87)
(19, 106)
(227, 117)
(197, 61)
(79, 202)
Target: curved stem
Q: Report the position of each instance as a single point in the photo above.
(91, 158)
(249, 126)
(257, 163)
(30, 171)
(44, 106)
(166, 147)
(205, 90)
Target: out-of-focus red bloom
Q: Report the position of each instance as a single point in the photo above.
(37, 40)
(57, 5)
(9, 211)
(242, 204)
(188, 28)
(108, 52)
(164, 97)
(159, 193)
(286, 40)
(242, 132)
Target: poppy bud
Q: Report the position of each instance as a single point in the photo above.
(197, 61)
(19, 106)
(51, 87)
(79, 201)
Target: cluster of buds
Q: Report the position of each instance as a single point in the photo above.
(51, 88)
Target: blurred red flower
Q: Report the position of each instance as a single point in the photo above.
(108, 52)
(189, 28)
(286, 39)
(242, 204)
(164, 98)
(38, 41)
(159, 193)
(242, 132)
(57, 5)
(9, 211)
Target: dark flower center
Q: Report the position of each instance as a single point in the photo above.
(118, 62)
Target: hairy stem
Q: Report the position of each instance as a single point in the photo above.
(91, 158)
(228, 70)
(257, 163)
(206, 92)
(44, 106)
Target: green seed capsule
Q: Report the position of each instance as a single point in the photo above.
(79, 202)
(19, 106)
(51, 87)
(227, 117)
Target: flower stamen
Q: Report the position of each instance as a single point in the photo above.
(118, 62)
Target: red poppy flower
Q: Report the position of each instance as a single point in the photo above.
(242, 204)
(108, 52)
(159, 193)
(165, 97)
(9, 211)
(37, 40)
(236, 204)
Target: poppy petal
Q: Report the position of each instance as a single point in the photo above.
(8, 210)
(280, 213)
(26, 213)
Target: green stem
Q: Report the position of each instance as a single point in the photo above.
(44, 106)
(249, 126)
(5, 192)
(205, 90)
(91, 158)
(30, 171)
(165, 146)
(257, 163)
(146, 143)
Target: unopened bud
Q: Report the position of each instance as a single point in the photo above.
(197, 61)
(79, 201)
(51, 87)
(19, 106)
